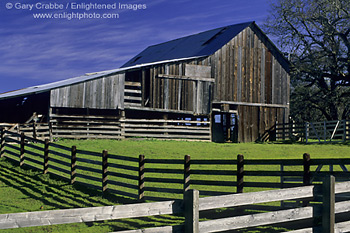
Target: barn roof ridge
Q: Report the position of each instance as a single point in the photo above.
(198, 44)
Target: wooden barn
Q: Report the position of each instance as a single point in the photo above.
(227, 84)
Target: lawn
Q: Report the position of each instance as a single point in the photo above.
(209, 150)
(27, 190)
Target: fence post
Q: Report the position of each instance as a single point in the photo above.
(22, 151)
(344, 133)
(104, 171)
(34, 130)
(46, 156)
(275, 132)
(307, 173)
(240, 173)
(141, 177)
(73, 164)
(291, 129)
(187, 173)
(328, 212)
(2, 142)
(191, 201)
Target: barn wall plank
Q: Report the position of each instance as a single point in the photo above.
(99, 93)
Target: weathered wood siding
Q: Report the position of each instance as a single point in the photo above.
(102, 93)
(254, 121)
(180, 86)
(247, 70)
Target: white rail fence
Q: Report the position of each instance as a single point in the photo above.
(323, 197)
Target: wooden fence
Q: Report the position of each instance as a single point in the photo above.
(319, 132)
(145, 178)
(110, 127)
(320, 215)
(189, 129)
(82, 127)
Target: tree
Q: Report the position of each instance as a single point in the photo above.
(315, 34)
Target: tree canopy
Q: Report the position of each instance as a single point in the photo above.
(315, 35)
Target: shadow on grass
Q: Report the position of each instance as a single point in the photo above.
(54, 192)
(37, 192)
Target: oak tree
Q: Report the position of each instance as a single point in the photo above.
(315, 35)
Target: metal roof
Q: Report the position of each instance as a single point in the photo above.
(201, 44)
(87, 77)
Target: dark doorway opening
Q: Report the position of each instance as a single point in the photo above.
(225, 127)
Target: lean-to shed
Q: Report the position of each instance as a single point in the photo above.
(226, 84)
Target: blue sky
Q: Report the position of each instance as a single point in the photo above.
(38, 51)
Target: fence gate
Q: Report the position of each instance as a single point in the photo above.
(327, 131)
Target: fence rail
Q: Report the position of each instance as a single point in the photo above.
(325, 207)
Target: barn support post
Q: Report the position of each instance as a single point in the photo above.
(22, 150)
(307, 173)
(191, 201)
(73, 173)
(104, 171)
(2, 142)
(187, 173)
(328, 204)
(46, 156)
(240, 173)
(141, 185)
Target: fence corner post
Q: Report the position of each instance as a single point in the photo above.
(187, 173)
(240, 173)
(46, 156)
(73, 173)
(22, 151)
(2, 142)
(104, 171)
(141, 195)
(191, 203)
(328, 204)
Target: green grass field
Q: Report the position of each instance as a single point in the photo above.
(207, 150)
(26, 190)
